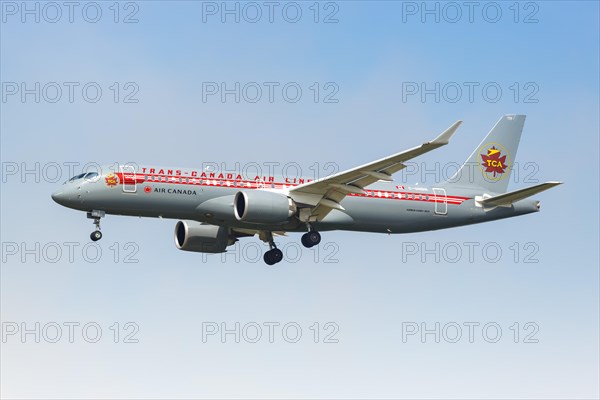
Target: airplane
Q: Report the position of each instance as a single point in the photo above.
(216, 209)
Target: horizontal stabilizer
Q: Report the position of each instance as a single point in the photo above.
(506, 199)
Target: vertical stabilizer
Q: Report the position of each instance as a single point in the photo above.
(490, 165)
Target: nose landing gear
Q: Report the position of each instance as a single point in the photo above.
(96, 235)
(96, 215)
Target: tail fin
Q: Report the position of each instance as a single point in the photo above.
(490, 165)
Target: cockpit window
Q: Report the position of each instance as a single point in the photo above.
(76, 177)
(88, 176)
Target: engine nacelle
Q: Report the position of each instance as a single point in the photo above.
(262, 207)
(202, 238)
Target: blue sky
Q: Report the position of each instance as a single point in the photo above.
(366, 284)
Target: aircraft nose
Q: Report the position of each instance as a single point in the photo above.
(60, 197)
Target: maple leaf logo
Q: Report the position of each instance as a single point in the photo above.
(494, 162)
(111, 180)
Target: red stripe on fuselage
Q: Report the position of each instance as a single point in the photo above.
(130, 179)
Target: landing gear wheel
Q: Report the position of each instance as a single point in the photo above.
(96, 235)
(310, 239)
(96, 215)
(314, 237)
(276, 255)
(267, 258)
(305, 242)
(273, 256)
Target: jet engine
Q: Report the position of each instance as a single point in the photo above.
(262, 207)
(202, 238)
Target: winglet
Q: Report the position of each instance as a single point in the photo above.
(444, 138)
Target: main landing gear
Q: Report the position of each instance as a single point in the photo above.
(310, 239)
(274, 255)
(96, 215)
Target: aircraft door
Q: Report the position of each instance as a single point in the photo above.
(129, 178)
(441, 201)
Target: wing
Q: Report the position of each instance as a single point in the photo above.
(325, 194)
